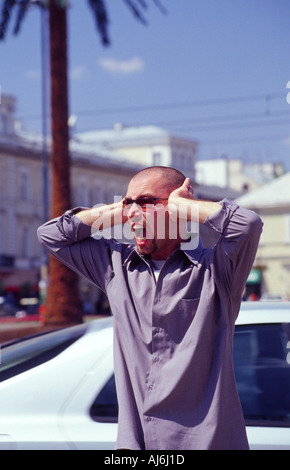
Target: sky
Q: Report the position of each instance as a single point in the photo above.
(217, 72)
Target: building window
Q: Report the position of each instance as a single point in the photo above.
(97, 195)
(82, 192)
(157, 158)
(185, 162)
(24, 185)
(3, 124)
(288, 229)
(24, 243)
(174, 160)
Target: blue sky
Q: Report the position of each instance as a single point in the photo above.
(213, 71)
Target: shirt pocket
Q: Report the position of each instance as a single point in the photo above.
(186, 312)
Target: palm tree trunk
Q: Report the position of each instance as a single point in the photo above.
(62, 303)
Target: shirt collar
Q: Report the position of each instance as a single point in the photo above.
(133, 254)
(192, 255)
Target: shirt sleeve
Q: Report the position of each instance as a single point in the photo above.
(234, 254)
(70, 241)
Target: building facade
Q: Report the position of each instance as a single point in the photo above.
(235, 174)
(271, 275)
(146, 145)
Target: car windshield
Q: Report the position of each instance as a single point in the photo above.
(262, 369)
(27, 353)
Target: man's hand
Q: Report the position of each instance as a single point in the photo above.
(180, 199)
(183, 205)
(185, 191)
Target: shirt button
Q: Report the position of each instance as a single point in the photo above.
(156, 359)
(150, 387)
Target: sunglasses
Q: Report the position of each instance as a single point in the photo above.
(142, 201)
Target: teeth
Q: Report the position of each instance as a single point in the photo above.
(139, 230)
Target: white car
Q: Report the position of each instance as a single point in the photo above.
(57, 390)
(262, 368)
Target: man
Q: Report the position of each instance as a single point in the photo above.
(173, 310)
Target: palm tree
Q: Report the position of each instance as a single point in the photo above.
(62, 301)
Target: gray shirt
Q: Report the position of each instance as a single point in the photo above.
(172, 336)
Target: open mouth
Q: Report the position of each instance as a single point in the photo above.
(141, 235)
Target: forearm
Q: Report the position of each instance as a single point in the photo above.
(77, 224)
(201, 210)
(104, 216)
(195, 210)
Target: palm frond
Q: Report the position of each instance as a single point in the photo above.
(160, 6)
(135, 9)
(5, 16)
(22, 6)
(143, 4)
(22, 10)
(137, 6)
(102, 20)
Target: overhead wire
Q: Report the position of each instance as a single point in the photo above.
(181, 104)
(207, 123)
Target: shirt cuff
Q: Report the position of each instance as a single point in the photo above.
(72, 227)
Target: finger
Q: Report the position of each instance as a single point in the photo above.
(186, 183)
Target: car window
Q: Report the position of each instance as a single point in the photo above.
(262, 370)
(105, 406)
(27, 353)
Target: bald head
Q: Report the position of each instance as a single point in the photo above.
(168, 178)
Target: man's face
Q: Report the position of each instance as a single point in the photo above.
(150, 223)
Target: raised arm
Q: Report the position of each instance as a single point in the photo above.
(239, 231)
(181, 202)
(103, 216)
(69, 239)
